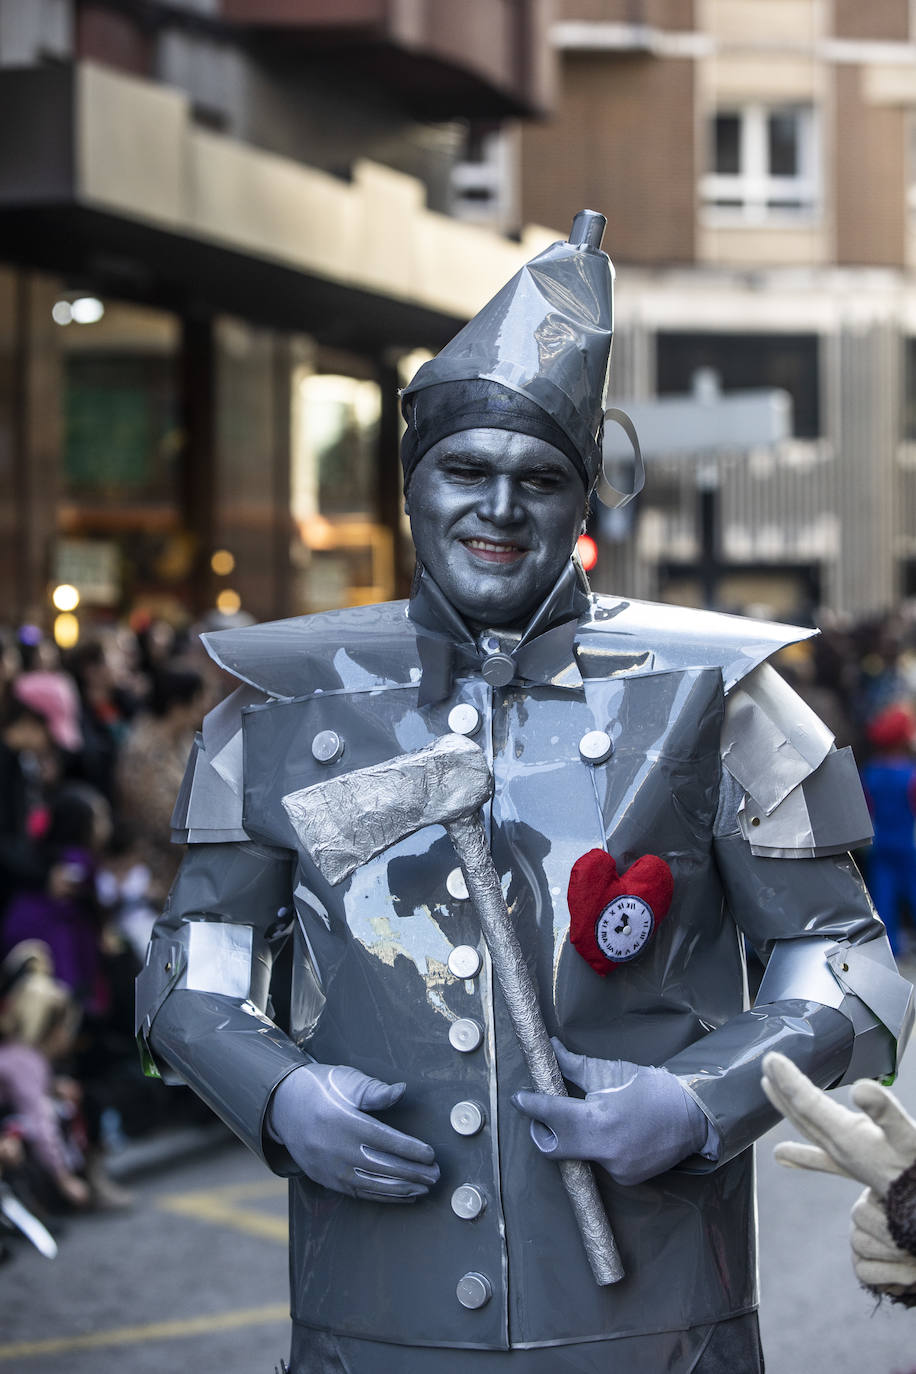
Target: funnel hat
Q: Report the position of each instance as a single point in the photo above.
(534, 360)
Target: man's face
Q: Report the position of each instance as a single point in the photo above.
(495, 516)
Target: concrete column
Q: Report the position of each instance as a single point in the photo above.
(30, 443)
(862, 387)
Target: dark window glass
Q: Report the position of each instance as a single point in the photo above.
(122, 436)
(782, 132)
(746, 361)
(727, 150)
(909, 400)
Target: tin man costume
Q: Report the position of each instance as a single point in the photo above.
(653, 750)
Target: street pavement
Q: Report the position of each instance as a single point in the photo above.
(194, 1278)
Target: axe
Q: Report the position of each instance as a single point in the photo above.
(347, 820)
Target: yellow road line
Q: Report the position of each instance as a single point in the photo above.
(154, 1331)
(226, 1214)
(219, 1206)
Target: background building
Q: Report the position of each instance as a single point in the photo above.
(225, 228)
(755, 159)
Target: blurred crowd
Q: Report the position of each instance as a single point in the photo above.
(861, 680)
(93, 746)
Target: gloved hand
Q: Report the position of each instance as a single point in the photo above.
(635, 1122)
(320, 1114)
(879, 1263)
(873, 1148)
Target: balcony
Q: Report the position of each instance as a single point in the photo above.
(481, 59)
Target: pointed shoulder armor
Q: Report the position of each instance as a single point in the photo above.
(671, 637)
(348, 650)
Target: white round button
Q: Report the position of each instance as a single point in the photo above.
(464, 719)
(465, 1035)
(327, 746)
(596, 746)
(474, 1290)
(456, 886)
(468, 1202)
(464, 961)
(466, 1118)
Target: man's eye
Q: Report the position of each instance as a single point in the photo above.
(542, 481)
(461, 472)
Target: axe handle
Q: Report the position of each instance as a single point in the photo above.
(467, 836)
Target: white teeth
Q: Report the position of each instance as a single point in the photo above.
(490, 544)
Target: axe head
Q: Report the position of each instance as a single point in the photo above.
(347, 820)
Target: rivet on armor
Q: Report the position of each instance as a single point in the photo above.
(464, 962)
(465, 1035)
(755, 820)
(466, 1118)
(327, 746)
(464, 719)
(468, 1202)
(456, 886)
(474, 1290)
(596, 746)
(498, 669)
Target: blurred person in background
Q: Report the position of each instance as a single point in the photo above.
(38, 1023)
(89, 957)
(889, 779)
(108, 704)
(151, 767)
(29, 772)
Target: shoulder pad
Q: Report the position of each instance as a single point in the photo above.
(651, 635)
(771, 740)
(825, 814)
(209, 805)
(803, 798)
(349, 650)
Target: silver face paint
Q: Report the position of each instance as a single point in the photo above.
(494, 518)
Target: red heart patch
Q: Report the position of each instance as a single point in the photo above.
(595, 886)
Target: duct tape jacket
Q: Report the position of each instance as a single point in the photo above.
(710, 751)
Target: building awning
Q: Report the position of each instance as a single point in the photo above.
(111, 178)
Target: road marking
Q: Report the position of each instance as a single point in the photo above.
(221, 1207)
(154, 1331)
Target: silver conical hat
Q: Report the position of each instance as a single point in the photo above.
(546, 335)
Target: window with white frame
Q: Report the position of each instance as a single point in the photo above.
(763, 161)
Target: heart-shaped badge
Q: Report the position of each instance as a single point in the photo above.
(613, 916)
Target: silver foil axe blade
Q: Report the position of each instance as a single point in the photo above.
(349, 819)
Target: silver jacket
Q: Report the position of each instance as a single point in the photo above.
(715, 765)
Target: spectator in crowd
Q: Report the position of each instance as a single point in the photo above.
(889, 779)
(108, 706)
(29, 768)
(38, 1020)
(150, 772)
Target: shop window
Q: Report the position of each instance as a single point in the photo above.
(119, 520)
(346, 554)
(763, 163)
(909, 390)
(745, 362)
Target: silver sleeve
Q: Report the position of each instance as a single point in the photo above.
(202, 998)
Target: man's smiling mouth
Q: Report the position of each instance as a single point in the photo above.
(494, 551)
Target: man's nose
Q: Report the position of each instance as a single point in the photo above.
(499, 502)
